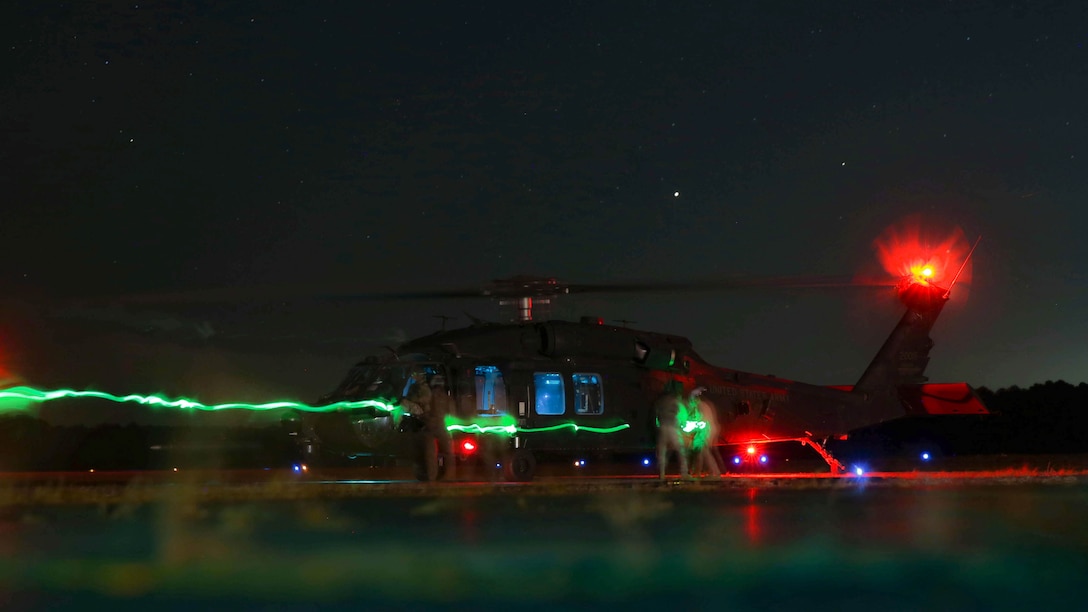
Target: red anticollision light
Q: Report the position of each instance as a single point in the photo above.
(920, 257)
(751, 450)
(922, 273)
(926, 263)
(468, 446)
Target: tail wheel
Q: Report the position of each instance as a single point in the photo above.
(522, 466)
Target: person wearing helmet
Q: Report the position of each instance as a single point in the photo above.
(417, 399)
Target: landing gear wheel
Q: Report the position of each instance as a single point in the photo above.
(522, 466)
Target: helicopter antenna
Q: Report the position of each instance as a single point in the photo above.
(624, 322)
(948, 291)
(393, 351)
(444, 318)
(475, 320)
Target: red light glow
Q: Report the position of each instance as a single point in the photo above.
(468, 446)
(922, 257)
(751, 450)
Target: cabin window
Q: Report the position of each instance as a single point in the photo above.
(588, 398)
(490, 390)
(549, 393)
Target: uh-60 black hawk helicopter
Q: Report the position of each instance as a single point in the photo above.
(529, 389)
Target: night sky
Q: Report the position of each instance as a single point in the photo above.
(295, 149)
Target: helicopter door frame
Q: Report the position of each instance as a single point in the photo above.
(519, 399)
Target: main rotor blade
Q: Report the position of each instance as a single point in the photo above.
(409, 295)
(781, 282)
(502, 288)
(280, 293)
(507, 289)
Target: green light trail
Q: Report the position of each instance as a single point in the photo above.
(14, 399)
(508, 426)
(498, 424)
(513, 429)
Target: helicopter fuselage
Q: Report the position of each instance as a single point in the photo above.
(561, 387)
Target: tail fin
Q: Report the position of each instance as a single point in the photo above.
(905, 354)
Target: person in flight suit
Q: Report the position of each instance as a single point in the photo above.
(418, 398)
(670, 410)
(436, 438)
(706, 455)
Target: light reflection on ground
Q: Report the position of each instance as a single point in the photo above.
(891, 540)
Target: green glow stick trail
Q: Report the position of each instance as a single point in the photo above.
(513, 429)
(14, 398)
(506, 425)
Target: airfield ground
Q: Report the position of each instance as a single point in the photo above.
(1005, 534)
(215, 486)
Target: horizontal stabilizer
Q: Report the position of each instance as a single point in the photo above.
(941, 398)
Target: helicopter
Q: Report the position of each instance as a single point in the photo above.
(528, 389)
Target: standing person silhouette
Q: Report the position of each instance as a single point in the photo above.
(436, 438)
(706, 455)
(669, 407)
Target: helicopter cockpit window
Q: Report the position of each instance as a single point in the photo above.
(393, 381)
(588, 398)
(356, 382)
(387, 382)
(549, 393)
(490, 390)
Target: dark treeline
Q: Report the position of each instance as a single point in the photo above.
(1046, 417)
(1050, 417)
